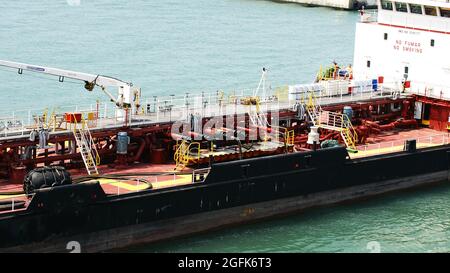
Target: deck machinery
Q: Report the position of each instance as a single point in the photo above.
(261, 123)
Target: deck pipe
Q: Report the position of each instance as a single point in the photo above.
(140, 150)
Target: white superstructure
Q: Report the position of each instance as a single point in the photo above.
(406, 40)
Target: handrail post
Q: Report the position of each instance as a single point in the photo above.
(157, 110)
(29, 117)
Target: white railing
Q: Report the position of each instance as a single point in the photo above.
(199, 175)
(331, 119)
(156, 109)
(11, 125)
(368, 16)
(26, 120)
(437, 91)
(181, 107)
(323, 96)
(398, 145)
(14, 200)
(418, 21)
(173, 107)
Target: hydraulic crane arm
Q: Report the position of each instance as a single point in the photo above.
(124, 98)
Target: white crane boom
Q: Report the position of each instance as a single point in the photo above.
(123, 100)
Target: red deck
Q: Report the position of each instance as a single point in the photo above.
(393, 141)
(399, 134)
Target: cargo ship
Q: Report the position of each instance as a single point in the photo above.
(137, 170)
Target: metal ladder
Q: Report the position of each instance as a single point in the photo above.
(332, 121)
(87, 147)
(314, 110)
(290, 137)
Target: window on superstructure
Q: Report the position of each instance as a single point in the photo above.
(429, 10)
(401, 7)
(385, 36)
(445, 12)
(368, 63)
(417, 9)
(387, 5)
(432, 42)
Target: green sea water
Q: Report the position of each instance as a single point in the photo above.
(166, 47)
(413, 221)
(176, 46)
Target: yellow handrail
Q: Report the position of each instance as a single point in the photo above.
(325, 75)
(314, 108)
(290, 137)
(92, 146)
(350, 130)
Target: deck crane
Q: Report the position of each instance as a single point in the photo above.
(126, 93)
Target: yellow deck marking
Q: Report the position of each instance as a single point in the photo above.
(4, 197)
(168, 182)
(123, 185)
(179, 180)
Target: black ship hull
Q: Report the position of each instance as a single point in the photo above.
(233, 193)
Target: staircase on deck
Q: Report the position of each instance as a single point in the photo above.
(332, 121)
(87, 148)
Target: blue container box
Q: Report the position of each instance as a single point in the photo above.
(375, 84)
